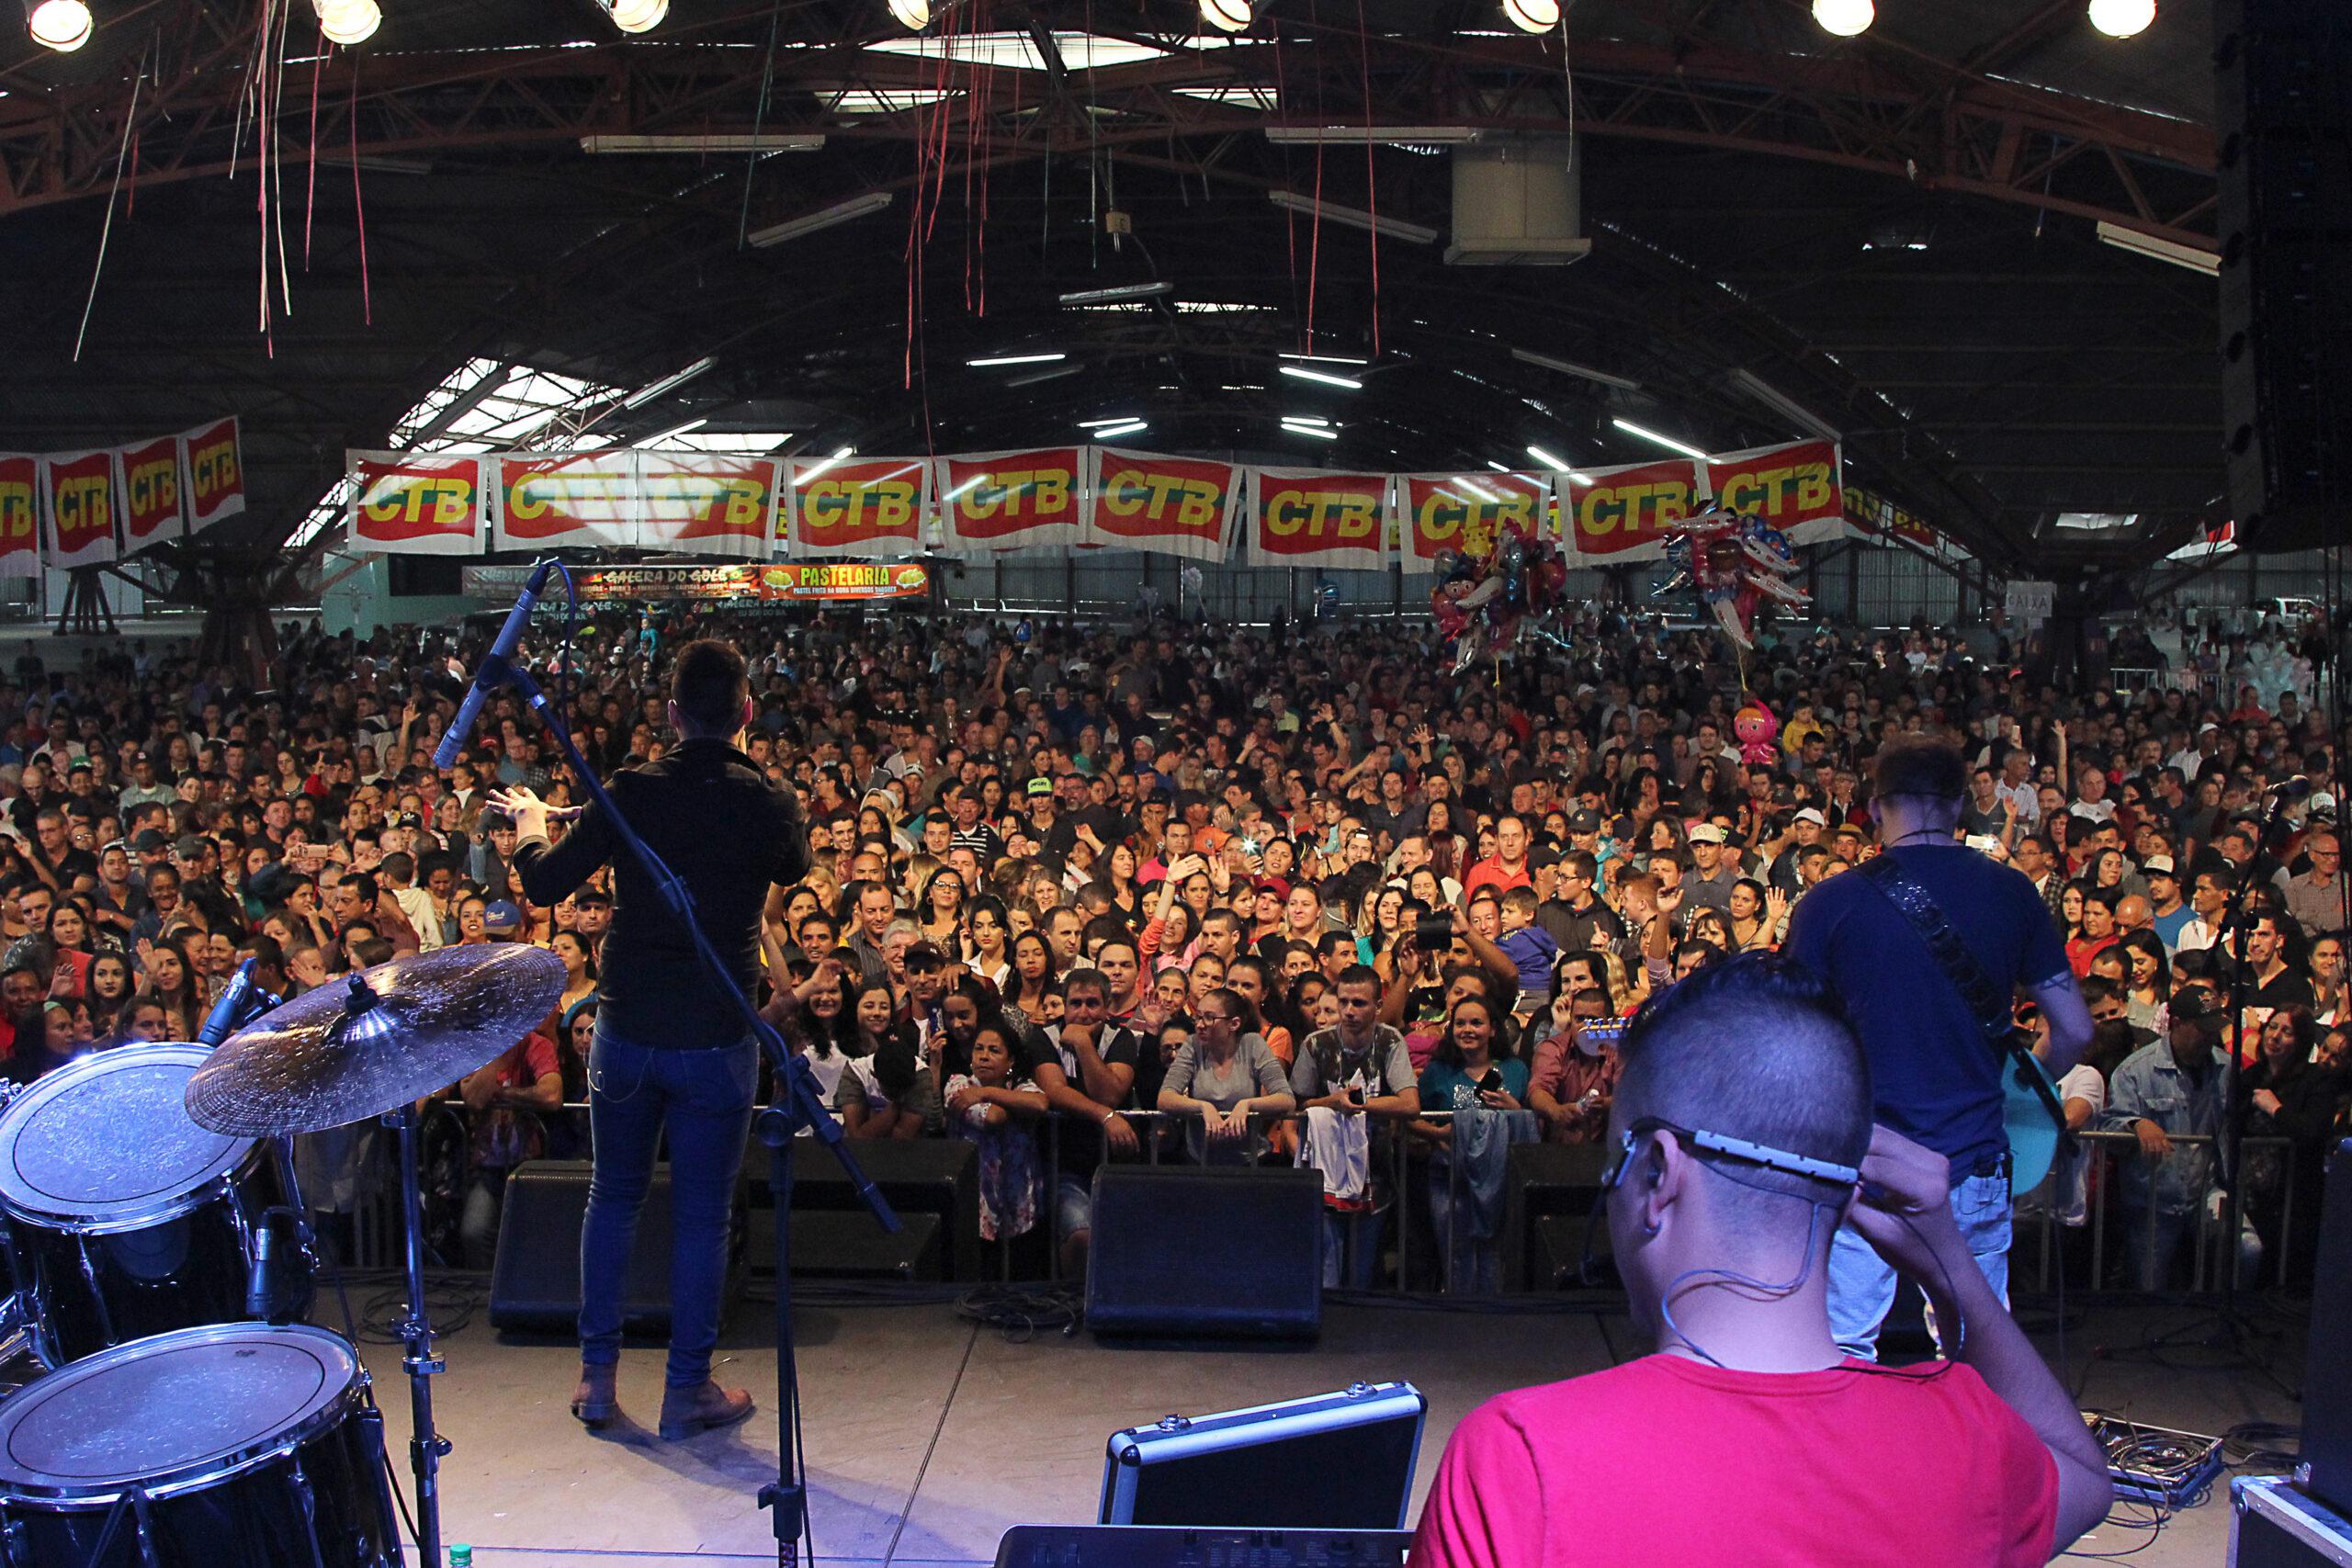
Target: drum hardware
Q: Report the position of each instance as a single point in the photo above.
(373, 1048)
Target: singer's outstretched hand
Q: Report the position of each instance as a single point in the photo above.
(530, 813)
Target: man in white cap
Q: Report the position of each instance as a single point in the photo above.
(2172, 912)
(1805, 829)
(1713, 871)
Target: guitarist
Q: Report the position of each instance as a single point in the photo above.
(1936, 1068)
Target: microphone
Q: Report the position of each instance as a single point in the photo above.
(257, 1278)
(510, 635)
(230, 1008)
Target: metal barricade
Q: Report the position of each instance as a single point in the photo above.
(2107, 1150)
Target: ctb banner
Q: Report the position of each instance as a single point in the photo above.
(1308, 517)
(994, 502)
(858, 506)
(1466, 511)
(1168, 506)
(19, 514)
(415, 503)
(80, 486)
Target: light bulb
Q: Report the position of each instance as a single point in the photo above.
(1226, 16)
(913, 14)
(2122, 18)
(638, 16)
(1844, 17)
(61, 25)
(1532, 16)
(349, 21)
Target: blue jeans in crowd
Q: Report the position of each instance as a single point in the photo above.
(705, 1099)
(1862, 1283)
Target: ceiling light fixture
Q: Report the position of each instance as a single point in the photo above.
(1107, 419)
(1321, 377)
(1045, 358)
(764, 142)
(1354, 218)
(348, 21)
(813, 469)
(1357, 135)
(1570, 367)
(1546, 458)
(1107, 432)
(1321, 432)
(636, 16)
(1052, 373)
(913, 14)
(1322, 358)
(1788, 408)
(824, 218)
(1226, 15)
(1117, 292)
(646, 393)
(61, 25)
(2122, 18)
(1498, 468)
(1305, 419)
(1844, 17)
(1668, 442)
(1532, 16)
(2196, 260)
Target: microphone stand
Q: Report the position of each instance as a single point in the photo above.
(786, 1496)
(2230, 1328)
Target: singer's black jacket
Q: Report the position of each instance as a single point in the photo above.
(728, 833)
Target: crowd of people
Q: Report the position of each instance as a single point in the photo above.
(1214, 893)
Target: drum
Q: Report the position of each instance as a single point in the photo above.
(239, 1443)
(123, 1217)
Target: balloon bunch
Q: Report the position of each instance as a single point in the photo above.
(1735, 562)
(1482, 602)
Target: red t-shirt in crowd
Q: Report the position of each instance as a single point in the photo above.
(1665, 1461)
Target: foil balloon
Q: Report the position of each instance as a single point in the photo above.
(1482, 603)
(1754, 726)
(1735, 562)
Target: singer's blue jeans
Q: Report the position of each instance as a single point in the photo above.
(705, 1097)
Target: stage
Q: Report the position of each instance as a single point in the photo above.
(928, 1435)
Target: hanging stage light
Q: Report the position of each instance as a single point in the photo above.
(1844, 17)
(61, 25)
(913, 14)
(636, 16)
(2122, 18)
(1532, 16)
(1226, 15)
(348, 21)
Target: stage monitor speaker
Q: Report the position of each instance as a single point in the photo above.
(2283, 114)
(1192, 1252)
(2326, 1469)
(535, 1278)
(918, 1176)
(1548, 1190)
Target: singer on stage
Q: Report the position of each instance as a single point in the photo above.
(668, 1050)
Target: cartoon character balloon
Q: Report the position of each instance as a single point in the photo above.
(1754, 726)
(1482, 602)
(1735, 562)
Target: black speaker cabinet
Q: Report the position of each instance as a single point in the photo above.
(1188, 1252)
(2326, 1470)
(1549, 1192)
(535, 1278)
(940, 1177)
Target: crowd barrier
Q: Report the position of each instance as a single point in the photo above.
(2040, 1240)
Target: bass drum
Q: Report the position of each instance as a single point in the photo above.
(239, 1443)
(124, 1218)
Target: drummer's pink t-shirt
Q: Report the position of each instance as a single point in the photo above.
(1665, 1460)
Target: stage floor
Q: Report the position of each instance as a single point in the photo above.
(928, 1436)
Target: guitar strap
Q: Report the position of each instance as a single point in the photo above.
(1984, 999)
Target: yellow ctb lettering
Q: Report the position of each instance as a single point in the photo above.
(877, 505)
(16, 511)
(444, 502)
(1337, 514)
(213, 468)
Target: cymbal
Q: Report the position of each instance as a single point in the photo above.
(369, 1043)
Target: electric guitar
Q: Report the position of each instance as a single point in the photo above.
(2032, 1112)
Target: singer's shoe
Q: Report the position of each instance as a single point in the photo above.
(596, 1401)
(704, 1408)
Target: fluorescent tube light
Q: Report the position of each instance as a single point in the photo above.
(1323, 358)
(1353, 217)
(1324, 432)
(1570, 367)
(1121, 291)
(1104, 433)
(1787, 407)
(1423, 135)
(815, 468)
(1322, 377)
(1544, 457)
(765, 141)
(1015, 360)
(646, 394)
(1304, 419)
(855, 208)
(1110, 419)
(2195, 260)
(1668, 442)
